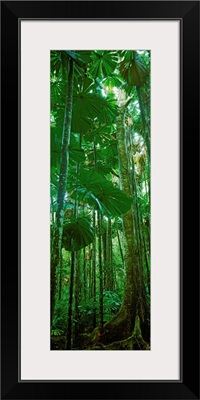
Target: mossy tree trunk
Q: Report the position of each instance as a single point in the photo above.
(122, 324)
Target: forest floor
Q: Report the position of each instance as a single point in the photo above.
(133, 342)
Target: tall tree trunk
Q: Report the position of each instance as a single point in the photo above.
(146, 132)
(90, 273)
(94, 252)
(100, 273)
(77, 295)
(52, 210)
(84, 275)
(77, 268)
(105, 257)
(72, 284)
(94, 267)
(120, 246)
(121, 325)
(109, 265)
(58, 231)
(69, 324)
(60, 279)
(141, 306)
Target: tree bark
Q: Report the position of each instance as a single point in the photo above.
(77, 294)
(58, 230)
(94, 267)
(69, 324)
(121, 325)
(100, 272)
(109, 266)
(146, 132)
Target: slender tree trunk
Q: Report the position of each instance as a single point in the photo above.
(60, 280)
(94, 268)
(90, 276)
(94, 253)
(109, 266)
(58, 231)
(77, 269)
(105, 257)
(100, 274)
(77, 295)
(52, 210)
(84, 275)
(69, 325)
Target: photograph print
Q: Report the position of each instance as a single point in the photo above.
(100, 190)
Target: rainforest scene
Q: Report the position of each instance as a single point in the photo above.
(100, 190)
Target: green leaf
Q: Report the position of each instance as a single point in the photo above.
(77, 234)
(109, 111)
(86, 107)
(134, 72)
(85, 55)
(96, 190)
(112, 81)
(104, 63)
(76, 153)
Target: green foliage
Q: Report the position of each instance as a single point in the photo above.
(57, 90)
(104, 63)
(60, 315)
(76, 153)
(76, 57)
(86, 108)
(113, 80)
(93, 180)
(112, 302)
(87, 308)
(133, 71)
(77, 233)
(109, 110)
(56, 332)
(97, 191)
(59, 61)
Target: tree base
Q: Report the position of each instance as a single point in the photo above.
(132, 343)
(97, 340)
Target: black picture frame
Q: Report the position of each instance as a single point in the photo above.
(188, 386)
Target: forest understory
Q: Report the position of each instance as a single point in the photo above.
(100, 200)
